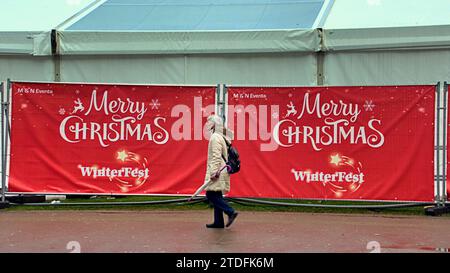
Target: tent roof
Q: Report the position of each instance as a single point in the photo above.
(221, 26)
(164, 15)
(196, 26)
(198, 15)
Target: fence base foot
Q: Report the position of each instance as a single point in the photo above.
(4, 205)
(22, 199)
(437, 210)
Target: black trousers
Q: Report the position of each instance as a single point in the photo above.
(220, 207)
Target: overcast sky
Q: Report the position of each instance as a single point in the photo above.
(388, 13)
(37, 15)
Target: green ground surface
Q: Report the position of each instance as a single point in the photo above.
(204, 205)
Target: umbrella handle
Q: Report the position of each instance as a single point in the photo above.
(228, 169)
(226, 166)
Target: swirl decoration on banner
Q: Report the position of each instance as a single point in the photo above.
(341, 161)
(127, 184)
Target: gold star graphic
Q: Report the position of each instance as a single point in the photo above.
(335, 159)
(122, 155)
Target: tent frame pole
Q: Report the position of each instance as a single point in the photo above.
(54, 37)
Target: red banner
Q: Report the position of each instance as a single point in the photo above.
(122, 139)
(352, 143)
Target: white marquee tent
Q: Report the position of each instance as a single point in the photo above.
(235, 42)
(243, 42)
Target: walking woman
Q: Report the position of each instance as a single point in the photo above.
(219, 181)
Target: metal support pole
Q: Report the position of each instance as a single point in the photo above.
(444, 151)
(224, 100)
(4, 138)
(8, 131)
(217, 100)
(320, 59)
(220, 101)
(437, 149)
(440, 149)
(3, 144)
(4, 125)
(55, 53)
(7, 121)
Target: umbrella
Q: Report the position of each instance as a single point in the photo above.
(202, 187)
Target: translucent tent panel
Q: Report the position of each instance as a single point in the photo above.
(187, 15)
(352, 14)
(283, 69)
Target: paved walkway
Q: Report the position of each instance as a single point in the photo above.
(184, 231)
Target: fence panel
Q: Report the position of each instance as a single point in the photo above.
(103, 139)
(352, 143)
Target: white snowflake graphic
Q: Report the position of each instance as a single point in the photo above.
(155, 104)
(368, 105)
(62, 111)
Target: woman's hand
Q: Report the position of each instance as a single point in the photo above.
(215, 176)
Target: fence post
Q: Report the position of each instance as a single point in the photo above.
(437, 177)
(3, 142)
(225, 104)
(444, 151)
(4, 120)
(440, 149)
(220, 102)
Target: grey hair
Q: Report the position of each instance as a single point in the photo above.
(220, 128)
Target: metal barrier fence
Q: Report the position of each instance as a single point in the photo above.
(221, 107)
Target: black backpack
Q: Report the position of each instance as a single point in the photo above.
(233, 159)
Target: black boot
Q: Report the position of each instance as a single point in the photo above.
(214, 226)
(231, 219)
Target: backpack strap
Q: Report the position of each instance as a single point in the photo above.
(228, 145)
(226, 142)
